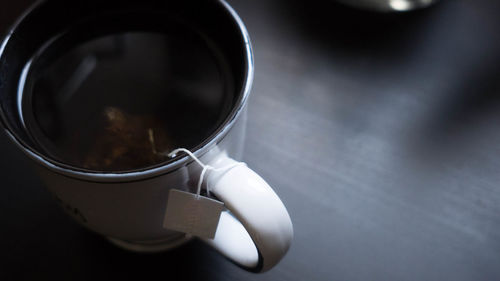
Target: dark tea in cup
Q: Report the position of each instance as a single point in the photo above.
(123, 100)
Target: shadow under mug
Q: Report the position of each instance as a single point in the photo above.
(128, 208)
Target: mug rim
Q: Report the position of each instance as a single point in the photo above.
(154, 171)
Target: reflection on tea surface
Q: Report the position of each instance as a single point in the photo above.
(119, 102)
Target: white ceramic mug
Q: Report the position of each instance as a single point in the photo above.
(129, 207)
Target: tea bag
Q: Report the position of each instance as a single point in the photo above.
(127, 141)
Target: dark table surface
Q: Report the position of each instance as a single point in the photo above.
(379, 132)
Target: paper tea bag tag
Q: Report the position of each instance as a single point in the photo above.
(191, 213)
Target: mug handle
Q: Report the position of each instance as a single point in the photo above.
(257, 232)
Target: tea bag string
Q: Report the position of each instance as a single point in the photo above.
(205, 167)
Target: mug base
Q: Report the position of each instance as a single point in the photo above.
(151, 246)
